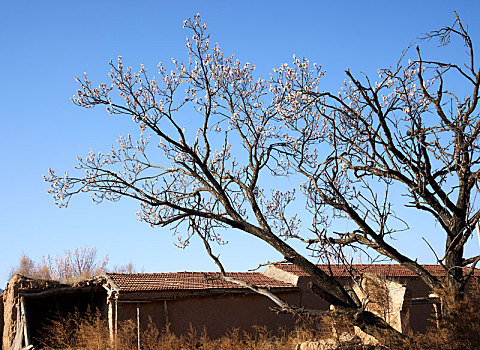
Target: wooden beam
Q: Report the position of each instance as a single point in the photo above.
(59, 290)
(134, 301)
(142, 296)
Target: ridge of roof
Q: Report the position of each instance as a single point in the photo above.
(386, 270)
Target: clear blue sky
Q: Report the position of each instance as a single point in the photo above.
(44, 44)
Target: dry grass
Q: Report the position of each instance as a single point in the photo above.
(458, 329)
(90, 332)
(86, 331)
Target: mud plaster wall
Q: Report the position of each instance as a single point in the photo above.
(414, 317)
(309, 300)
(217, 314)
(419, 315)
(1, 320)
(387, 299)
(9, 298)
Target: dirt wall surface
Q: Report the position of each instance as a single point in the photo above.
(1, 319)
(387, 299)
(216, 314)
(10, 300)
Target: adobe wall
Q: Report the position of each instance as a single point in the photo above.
(1, 320)
(419, 314)
(9, 301)
(308, 299)
(218, 314)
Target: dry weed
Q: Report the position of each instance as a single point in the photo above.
(458, 328)
(90, 332)
(87, 331)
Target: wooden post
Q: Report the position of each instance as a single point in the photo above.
(116, 317)
(112, 315)
(17, 341)
(25, 322)
(110, 318)
(437, 321)
(138, 326)
(165, 310)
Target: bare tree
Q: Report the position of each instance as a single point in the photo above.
(126, 268)
(212, 135)
(410, 133)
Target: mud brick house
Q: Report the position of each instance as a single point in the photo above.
(182, 299)
(176, 299)
(411, 302)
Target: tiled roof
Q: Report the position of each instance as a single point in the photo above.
(133, 282)
(387, 270)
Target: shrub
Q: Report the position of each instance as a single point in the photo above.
(87, 331)
(458, 327)
(80, 263)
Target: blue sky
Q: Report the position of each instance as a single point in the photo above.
(45, 44)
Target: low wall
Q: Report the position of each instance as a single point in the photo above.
(216, 314)
(1, 320)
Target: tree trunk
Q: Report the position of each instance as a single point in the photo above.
(378, 328)
(453, 263)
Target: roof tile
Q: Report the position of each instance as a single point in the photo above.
(386, 270)
(133, 282)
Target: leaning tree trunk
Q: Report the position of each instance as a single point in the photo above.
(380, 329)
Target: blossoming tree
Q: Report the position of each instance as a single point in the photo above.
(212, 136)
